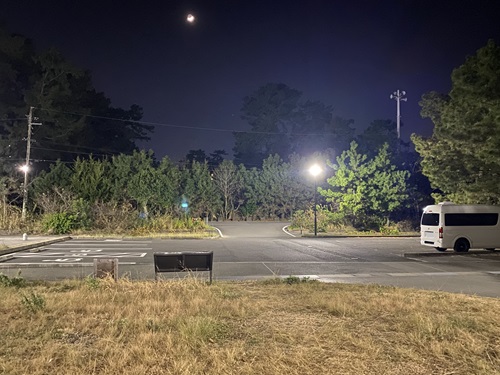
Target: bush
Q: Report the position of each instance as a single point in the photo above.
(114, 217)
(83, 214)
(326, 220)
(16, 281)
(367, 223)
(60, 223)
(160, 224)
(389, 230)
(11, 218)
(33, 302)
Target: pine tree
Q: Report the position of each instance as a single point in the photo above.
(462, 158)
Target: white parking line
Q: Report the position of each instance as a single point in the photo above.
(218, 230)
(284, 230)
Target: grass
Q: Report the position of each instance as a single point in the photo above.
(273, 327)
(209, 233)
(353, 233)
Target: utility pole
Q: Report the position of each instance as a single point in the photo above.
(25, 167)
(398, 96)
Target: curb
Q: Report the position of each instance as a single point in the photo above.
(451, 253)
(308, 235)
(6, 252)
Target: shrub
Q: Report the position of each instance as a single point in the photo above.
(33, 302)
(326, 220)
(83, 214)
(166, 223)
(60, 223)
(389, 230)
(15, 281)
(114, 217)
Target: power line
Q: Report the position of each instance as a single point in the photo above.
(71, 152)
(188, 127)
(12, 119)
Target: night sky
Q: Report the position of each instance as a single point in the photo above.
(351, 55)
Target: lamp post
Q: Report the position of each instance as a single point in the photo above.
(25, 168)
(315, 170)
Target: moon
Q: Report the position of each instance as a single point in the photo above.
(190, 18)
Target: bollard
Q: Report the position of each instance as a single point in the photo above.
(25, 237)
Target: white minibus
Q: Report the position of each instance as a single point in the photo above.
(461, 227)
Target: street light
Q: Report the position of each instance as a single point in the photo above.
(25, 168)
(315, 170)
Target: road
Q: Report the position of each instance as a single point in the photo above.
(252, 250)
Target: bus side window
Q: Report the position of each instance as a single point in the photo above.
(490, 219)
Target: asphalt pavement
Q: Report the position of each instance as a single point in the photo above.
(263, 250)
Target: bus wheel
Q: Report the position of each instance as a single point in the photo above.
(461, 245)
(441, 248)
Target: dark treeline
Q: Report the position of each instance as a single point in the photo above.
(359, 189)
(89, 168)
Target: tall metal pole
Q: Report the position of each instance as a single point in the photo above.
(26, 165)
(398, 96)
(315, 209)
(315, 170)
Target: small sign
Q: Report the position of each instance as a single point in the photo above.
(106, 268)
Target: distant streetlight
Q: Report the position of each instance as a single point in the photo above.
(315, 170)
(398, 96)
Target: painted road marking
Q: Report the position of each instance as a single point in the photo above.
(80, 254)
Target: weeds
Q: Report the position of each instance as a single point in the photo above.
(153, 326)
(288, 326)
(33, 302)
(16, 281)
(297, 280)
(289, 280)
(92, 283)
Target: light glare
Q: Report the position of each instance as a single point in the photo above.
(24, 168)
(315, 170)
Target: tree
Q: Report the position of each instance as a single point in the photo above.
(362, 187)
(58, 176)
(462, 157)
(16, 66)
(195, 155)
(277, 189)
(77, 120)
(282, 123)
(200, 156)
(169, 194)
(216, 158)
(228, 181)
(91, 180)
(150, 187)
(378, 133)
(200, 191)
(125, 168)
(317, 130)
(271, 112)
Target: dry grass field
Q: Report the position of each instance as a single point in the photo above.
(274, 327)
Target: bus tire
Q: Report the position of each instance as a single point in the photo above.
(461, 245)
(441, 248)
